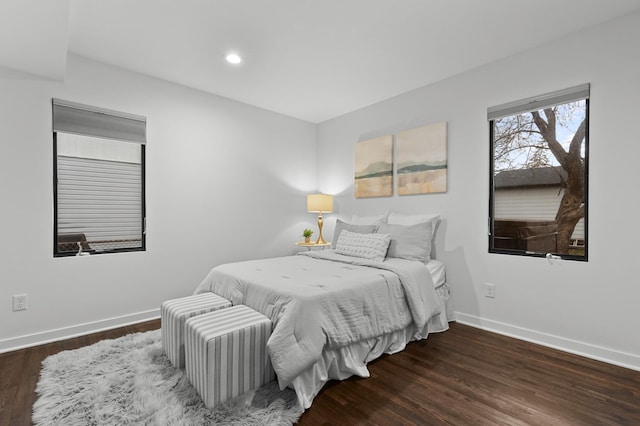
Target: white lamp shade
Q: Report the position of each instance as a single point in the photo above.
(317, 203)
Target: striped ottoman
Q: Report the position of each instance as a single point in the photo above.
(226, 353)
(173, 315)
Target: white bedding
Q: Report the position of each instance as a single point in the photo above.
(322, 304)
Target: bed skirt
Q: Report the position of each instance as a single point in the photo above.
(346, 361)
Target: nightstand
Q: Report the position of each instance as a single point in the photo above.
(309, 246)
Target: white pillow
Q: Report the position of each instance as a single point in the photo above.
(411, 242)
(396, 218)
(369, 220)
(367, 246)
(341, 226)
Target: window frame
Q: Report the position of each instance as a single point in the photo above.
(521, 107)
(142, 145)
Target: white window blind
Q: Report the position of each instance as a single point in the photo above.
(537, 103)
(70, 117)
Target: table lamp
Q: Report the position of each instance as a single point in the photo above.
(320, 203)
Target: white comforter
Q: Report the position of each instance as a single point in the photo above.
(319, 299)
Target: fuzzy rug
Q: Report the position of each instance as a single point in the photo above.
(130, 380)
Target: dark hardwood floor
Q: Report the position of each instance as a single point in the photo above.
(465, 376)
(468, 376)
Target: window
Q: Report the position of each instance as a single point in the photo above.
(539, 175)
(99, 168)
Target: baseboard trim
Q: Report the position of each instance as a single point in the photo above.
(599, 353)
(35, 339)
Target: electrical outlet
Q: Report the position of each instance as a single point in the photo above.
(490, 290)
(20, 302)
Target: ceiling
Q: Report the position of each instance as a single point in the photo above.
(310, 59)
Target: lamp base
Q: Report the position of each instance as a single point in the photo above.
(320, 239)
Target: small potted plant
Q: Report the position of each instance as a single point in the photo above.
(307, 233)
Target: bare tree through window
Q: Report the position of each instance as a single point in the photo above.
(539, 180)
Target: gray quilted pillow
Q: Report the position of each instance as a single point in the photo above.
(367, 246)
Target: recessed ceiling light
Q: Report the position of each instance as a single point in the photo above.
(233, 58)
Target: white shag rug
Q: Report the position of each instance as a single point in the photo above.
(130, 381)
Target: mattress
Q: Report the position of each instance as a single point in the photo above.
(436, 269)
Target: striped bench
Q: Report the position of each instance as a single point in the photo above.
(173, 316)
(226, 353)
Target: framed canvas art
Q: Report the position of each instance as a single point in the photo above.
(374, 167)
(422, 159)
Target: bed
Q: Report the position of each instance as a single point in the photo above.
(335, 310)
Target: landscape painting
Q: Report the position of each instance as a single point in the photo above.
(374, 167)
(422, 159)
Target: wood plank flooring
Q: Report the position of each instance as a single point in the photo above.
(464, 376)
(468, 376)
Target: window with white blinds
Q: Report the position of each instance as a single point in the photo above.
(99, 203)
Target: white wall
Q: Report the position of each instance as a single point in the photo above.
(585, 307)
(225, 181)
